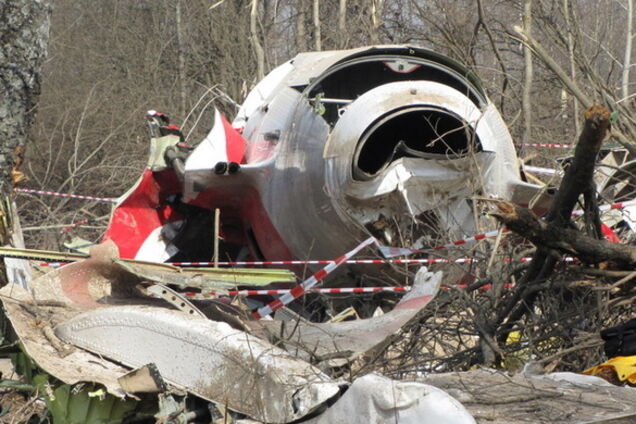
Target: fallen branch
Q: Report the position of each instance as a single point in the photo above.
(555, 233)
(565, 240)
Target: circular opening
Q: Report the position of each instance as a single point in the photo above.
(424, 132)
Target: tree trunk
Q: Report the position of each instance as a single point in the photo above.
(317, 34)
(258, 49)
(182, 68)
(301, 30)
(566, 12)
(528, 74)
(24, 25)
(342, 20)
(628, 49)
(554, 233)
(376, 20)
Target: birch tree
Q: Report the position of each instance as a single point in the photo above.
(316, 19)
(527, 84)
(256, 44)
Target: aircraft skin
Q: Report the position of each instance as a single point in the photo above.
(392, 141)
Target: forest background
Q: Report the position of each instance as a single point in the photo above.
(110, 61)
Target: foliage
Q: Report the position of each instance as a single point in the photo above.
(83, 403)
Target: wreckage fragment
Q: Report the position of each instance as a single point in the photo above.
(399, 155)
(103, 278)
(146, 379)
(207, 358)
(181, 348)
(336, 343)
(374, 399)
(29, 320)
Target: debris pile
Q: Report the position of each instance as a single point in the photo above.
(170, 319)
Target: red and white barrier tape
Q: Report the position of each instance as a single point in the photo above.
(485, 287)
(324, 262)
(389, 252)
(298, 291)
(75, 224)
(472, 239)
(551, 145)
(349, 262)
(73, 196)
(52, 264)
(342, 290)
(313, 290)
(605, 208)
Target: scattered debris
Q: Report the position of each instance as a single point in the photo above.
(313, 164)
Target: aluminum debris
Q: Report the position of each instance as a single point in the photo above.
(207, 358)
(337, 343)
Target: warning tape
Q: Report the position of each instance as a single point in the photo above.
(549, 145)
(472, 239)
(605, 208)
(324, 262)
(313, 290)
(342, 290)
(300, 289)
(69, 195)
(349, 262)
(389, 252)
(75, 224)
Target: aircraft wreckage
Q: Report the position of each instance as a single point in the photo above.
(392, 142)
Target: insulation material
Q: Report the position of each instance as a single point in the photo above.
(374, 399)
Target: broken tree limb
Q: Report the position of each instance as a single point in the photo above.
(578, 180)
(578, 177)
(555, 233)
(562, 239)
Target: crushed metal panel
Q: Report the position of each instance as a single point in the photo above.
(349, 339)
(205, 278)
(207, 358)
(104, 278)
(30, 322)
(146, 379)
